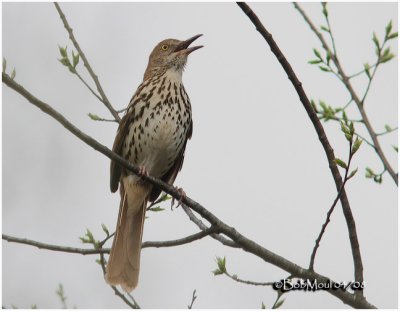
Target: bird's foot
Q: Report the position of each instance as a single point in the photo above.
(143, 171)
(182, 195)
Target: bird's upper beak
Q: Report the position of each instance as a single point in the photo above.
(183, 47)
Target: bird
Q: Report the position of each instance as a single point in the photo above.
(152, 135)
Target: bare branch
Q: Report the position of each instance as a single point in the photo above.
(86, 63)
(85, 251)
(240, 240)
(56, 248)
(346, 81)
(194, 297)
(202, 226)
(186, 240)
(330, 211)
(88, 86)
(236, 279)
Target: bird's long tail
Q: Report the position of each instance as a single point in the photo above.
(124, 261)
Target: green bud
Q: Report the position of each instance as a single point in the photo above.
(4, 65)
(344, 128)
(105, 229)
(351, 128)
(388, 28)
(317, 53)
(323, 105)
(322, 68)
(13, 74)
(369, 173)
(156, 209)
(328, 57)
(367, 67)
(63, 51)
(315, 61)
(221, 264)
(75, 59)
(344, 117)
(324, 28)
(395, 148)
(324, 9)
(89, 234)
(65, 62)
(352, 173)
(392, 36)
(386, 58)
(94, 117)
(376, 40)
(340, 163)
(217, 272)
(356, 145)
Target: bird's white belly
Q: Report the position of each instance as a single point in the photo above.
(162, 147)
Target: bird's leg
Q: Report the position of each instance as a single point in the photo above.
(182, 195)
(143, 171)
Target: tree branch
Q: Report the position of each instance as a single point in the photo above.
(105, 100)
(56, 248)
(243, 242)
(358, 266)
(237, 279)
(346, 81)
(202, 226)
(330, 211)
(85, 251)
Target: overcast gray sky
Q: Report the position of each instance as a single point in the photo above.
(254, 159)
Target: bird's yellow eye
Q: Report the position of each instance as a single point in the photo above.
(164, 47)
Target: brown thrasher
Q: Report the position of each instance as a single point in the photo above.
(153, 135)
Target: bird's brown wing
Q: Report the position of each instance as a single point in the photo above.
(170, 176)
(123, 129)
(115, 168)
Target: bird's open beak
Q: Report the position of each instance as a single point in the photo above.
(183, 47)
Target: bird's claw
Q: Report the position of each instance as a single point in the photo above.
(182, 195)
(143, 171)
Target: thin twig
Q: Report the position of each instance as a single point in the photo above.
(330, 211)
(202, 226)
(56, 248)
(355, 247)
(86, 63)
(362, 71)
(194, 297)
(235, 278)
(238, 239)
(88, 86)
(387, 131)
(354, 96)
(100, 250)
(358, 135)
(186, 240)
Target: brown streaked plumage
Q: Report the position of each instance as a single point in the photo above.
(153, 135)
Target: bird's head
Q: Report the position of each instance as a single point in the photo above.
(170, 54)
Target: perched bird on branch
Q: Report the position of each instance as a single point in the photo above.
(153, 135)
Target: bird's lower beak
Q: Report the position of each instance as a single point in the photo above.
(184, 48)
